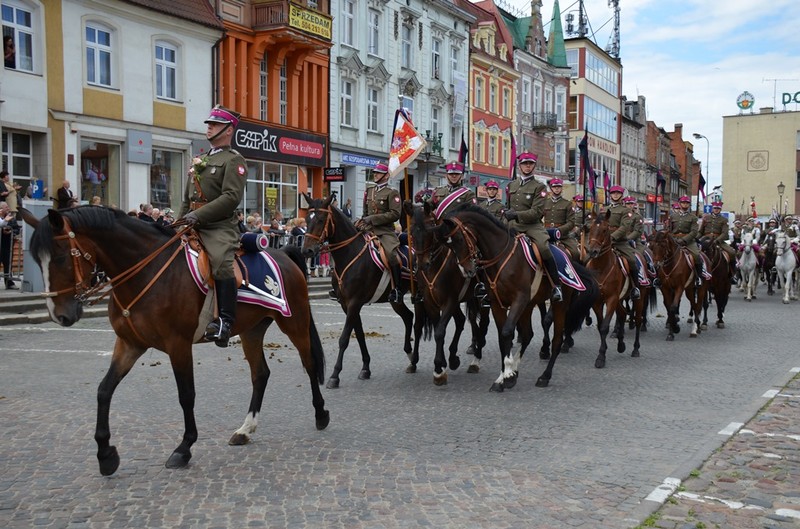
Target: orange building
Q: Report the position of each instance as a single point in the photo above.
(272, 67)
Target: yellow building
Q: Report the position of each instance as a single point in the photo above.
(761, 162)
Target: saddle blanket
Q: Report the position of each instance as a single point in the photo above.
(706, 264)
(265, 288)
(375, 254)
(566, 272)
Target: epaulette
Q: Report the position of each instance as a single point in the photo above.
(234, 151)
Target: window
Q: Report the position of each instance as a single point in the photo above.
(373, 109)
(600, 120)
(408, 105)
(166, 68)
(537, 98)
(573, 112)
(100, 171)
(454, 59)
(478, 154)
(263, 91)
(348, 22)
(165, 179)
(18, 155)
(436, 114)
(455, 140)
(98, 55)
(346, 110)
(18, 34)
(374, 32)
(559, 160)
(505, 152)
(526, 95)
(601, 73)
(507, 102)
(492, 97)
(478, 92)
(572, 62)
(284, 92)
(270, 188)
(492, 150)
(561, 111)
(406, 46)
(548, 100)
(436, 58)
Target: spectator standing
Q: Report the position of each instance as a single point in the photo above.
(9, 192)
(9, 53)
(8, 224)
(348, 209)
(64, 195)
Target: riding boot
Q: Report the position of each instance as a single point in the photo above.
(634, 264)
(698, 273)
(552, 271)
(219, 330)
(480, 290)
(396, 294)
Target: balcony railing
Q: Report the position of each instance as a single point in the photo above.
(275, 14)
(545, 121)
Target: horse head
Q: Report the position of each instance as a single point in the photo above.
(454, 234)
(747, 242)
(321, 225)
(422, 232)
(780, 242)
(599, 237)
(663, 247)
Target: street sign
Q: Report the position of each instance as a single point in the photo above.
(706, 208)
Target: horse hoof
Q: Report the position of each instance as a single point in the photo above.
(635, 353)
(470, 350)
(333, 383)
(785, 301)
(440, 380)
(365, 374)
(600, 363)
(720, 325)
(692, 335)
(323, 420)
(497, 388)
(689, 319)
(110, 462)
(511, 381)
(565, 349)
(542, 382)
(455, 363)
(670, 338)
(676, 329)
(473, 369)
(239, 439)
(704, 327)
(544, 355)
(621, 347)
(411, 369)
(178, 460)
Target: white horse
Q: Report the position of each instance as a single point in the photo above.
(747, 267)
(785, 264)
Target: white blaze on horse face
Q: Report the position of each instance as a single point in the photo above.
(45, 264)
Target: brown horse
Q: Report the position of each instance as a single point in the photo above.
(356, 279)
(677, 276)
(76, 248)
(614, 287)
(480, 241)
(720, 284)
(441, 289)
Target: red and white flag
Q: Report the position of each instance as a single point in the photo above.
(407, 144)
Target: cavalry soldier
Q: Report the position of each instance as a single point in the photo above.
(558, 214)
(769, 229)
(715, 227)
(492, 204)
(214, 190)
(381, 211)
(683, 226)
(621, 223)
(637, 233)
(582, 220)
(448, 197)
(736, 232)
(526, 200)
(790, 228)
(751, 226)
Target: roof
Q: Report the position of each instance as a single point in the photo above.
(199, 11)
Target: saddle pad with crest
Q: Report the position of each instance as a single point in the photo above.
(375, 254)
(265, 288)
(707, 263)
(566, 272)
(644, 280)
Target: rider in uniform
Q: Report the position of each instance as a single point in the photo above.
(736, 232)
(448, 197)
(683, 226)
(637, 231)
(493, 204)
(526, 199)
(558, 214)
(790, 229)
(381, 211)
(214, 190)
(715, 227)
(620, 222)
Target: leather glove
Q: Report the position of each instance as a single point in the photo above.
(510, 214)
(681, 242)
(191, 219)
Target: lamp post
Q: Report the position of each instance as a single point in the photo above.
(427, 154)
(708, 149)
(781, 189)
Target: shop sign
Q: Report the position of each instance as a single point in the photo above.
(276, 144)
(310, 21)
(333, 174)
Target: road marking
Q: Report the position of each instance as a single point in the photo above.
(735, 505)
(771, 393)
(53, 329)
(664, 491)
(57, 351)
(794, 370)
(767, 434)
(731, 429)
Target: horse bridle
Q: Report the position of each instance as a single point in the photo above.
(324, 235)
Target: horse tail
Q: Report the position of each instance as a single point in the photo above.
(581, 302)
(426, 322)
(296, 255)
(317, 353)
(652, 300)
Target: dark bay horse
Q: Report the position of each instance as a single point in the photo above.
(614, 287)
(514, 288)
(441, 290)
(356, 279)
(676, 274)
(156, 303)
(720, 284)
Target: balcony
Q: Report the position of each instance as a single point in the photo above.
(303, 16)
(545, 121)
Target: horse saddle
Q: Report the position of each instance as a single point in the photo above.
(381, 260)
(566, 272)
(706, 263)
(642, 276)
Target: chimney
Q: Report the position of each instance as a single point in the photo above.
(765, 110)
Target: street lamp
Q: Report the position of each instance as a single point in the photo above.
(781, 189)
(708, 148)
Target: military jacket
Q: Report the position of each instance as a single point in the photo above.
(737, 234)
(684, 225)
(792, 232)
(630, 227)
(221, 176)
(715, 226)
(527, 198)
(495, 207)
(558, 213)
(618, 211)
(442, 192)
(382, 209)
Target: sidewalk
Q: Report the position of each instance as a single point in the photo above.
(751, 482)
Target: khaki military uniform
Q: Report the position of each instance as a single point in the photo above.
(792, 232)
(495, 207)
(442, 192)
(527, 198)
(381, 210)
(624, 228)
(737, 235)
(716, 227)
(558, 214)
(221, 189)
(684, 226)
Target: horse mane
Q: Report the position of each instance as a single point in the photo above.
(472, 208)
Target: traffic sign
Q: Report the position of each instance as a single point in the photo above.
(706, 208)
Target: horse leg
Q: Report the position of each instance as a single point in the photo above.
(460, 319)
(622, 315)
(183, 370)
(695, 296)
(505, 337)
(352, 316)
(524, 337)
(365, 372)
(546, 322)
(439, 362)
(558, 317)
(603, 324)
(408, 321)
(123, 359)
(252, 344)
(704, 323)
(413, 358)
(479, 330)
(640, 307)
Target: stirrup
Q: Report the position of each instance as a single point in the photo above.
(395, 295)
(485, 303)
(657, 282)
(635, 293)
(480, 290)
(332, 295)
(219, 332)
(557, 295)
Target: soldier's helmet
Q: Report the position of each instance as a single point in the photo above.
(220, 114)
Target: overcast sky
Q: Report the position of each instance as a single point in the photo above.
(692, 58)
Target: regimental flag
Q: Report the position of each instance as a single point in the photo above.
(606, 184)
(512, 171)
(587, 173)
(407, 144)
(661, 182)
(701, 186)
(463, 152)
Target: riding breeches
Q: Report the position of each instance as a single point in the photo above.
(220, 244)
(538, 235)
